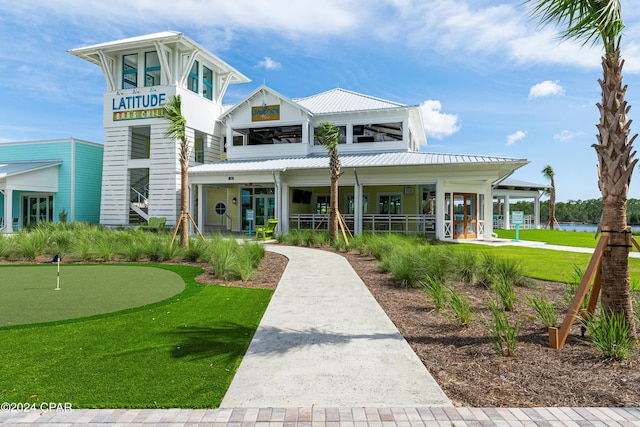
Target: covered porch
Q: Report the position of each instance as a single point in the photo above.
(27, 190)
(408, 193)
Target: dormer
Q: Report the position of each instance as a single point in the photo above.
(267, 124)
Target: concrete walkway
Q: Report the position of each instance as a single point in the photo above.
(326, 355)
(324, 341)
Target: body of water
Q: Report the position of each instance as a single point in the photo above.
(589, 228)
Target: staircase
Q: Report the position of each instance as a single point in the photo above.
(138, 207)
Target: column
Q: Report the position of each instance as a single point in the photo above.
(283, 220)
(357, 209)
(201, 208)
(488, 214)
(507, 213)
(536, 211)
(440, 210)
(8, 210)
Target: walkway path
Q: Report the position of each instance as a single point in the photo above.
(325, 341)
(326, 355)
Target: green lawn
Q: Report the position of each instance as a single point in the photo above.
(181, 352)
(553, 237)
(29, 295)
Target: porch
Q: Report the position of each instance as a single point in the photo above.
(374, 223)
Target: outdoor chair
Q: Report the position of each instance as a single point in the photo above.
(154, 224)
(267, 231)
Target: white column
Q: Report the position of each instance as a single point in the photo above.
(488, 214)
(536, 211)
(440, 213)
(8, 210)
(507, 213)
(283, 220)
(201, 207)
(357, 209)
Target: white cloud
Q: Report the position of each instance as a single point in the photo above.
(269, 64)
(515, 137)
(566, 135)
(546, 88)
(437, 124)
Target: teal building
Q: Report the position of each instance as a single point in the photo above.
(49, 181)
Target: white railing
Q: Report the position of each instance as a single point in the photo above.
(376, 223)
(498, 223)
(140, 199)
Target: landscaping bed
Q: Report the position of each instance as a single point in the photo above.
(465, 364)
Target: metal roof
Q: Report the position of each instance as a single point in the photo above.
(18, 167)
(341, 100)
(348, 161)
(516, 184)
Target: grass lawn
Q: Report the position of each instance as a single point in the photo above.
(181, 352)
(29, 295)
(553, 237)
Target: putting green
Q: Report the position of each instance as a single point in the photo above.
(29, 295)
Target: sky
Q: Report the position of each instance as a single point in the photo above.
(488, 78)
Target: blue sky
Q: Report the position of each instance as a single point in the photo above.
(489, 79)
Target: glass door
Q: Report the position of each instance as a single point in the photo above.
(37, 208)
(264, 206)
(465, 215)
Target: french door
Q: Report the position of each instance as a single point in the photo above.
(465, 215)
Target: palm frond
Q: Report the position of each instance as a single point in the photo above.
(583, 20)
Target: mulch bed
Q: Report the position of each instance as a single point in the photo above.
(464, 362)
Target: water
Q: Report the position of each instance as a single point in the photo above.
(589, 228)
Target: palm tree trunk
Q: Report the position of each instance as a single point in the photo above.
(184, 195)
(552, 206)
(334, 170)
(615, 166)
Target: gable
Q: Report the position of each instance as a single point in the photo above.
(264, 107)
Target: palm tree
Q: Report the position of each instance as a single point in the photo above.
(328, 134)
(178, 131)
(590, 21)
(548, 173)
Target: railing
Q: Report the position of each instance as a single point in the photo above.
(138, 198)
(376, 223)
(498, 223)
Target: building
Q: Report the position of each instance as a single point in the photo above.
(258, 159)
(49, 181)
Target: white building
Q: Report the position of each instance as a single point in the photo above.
(258, 159)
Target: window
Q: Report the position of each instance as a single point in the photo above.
(342, 139)
(207, 83)
(268, 135)
(151, 69)
(377, 132)
(220, 208)
(192, 81)
(130, 71)
(350, 208)
(140, 142)
(322, 204)
(389, 204)
(198, 149)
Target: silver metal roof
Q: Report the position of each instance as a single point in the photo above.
(18, 167)
(341, 100)
(348, 161)
(516, 184)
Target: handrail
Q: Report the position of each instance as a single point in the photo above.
(230, 220)
(140, 197)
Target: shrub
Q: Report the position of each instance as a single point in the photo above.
(502, 334)
(572, 287)
(467, 266)
(7, 247)
(436, 289)
(31, 244)
(461, 308)
(223, 259)
(254, 252)
(196, 251)
(610, 334)
(544, 308)
(505, 290)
